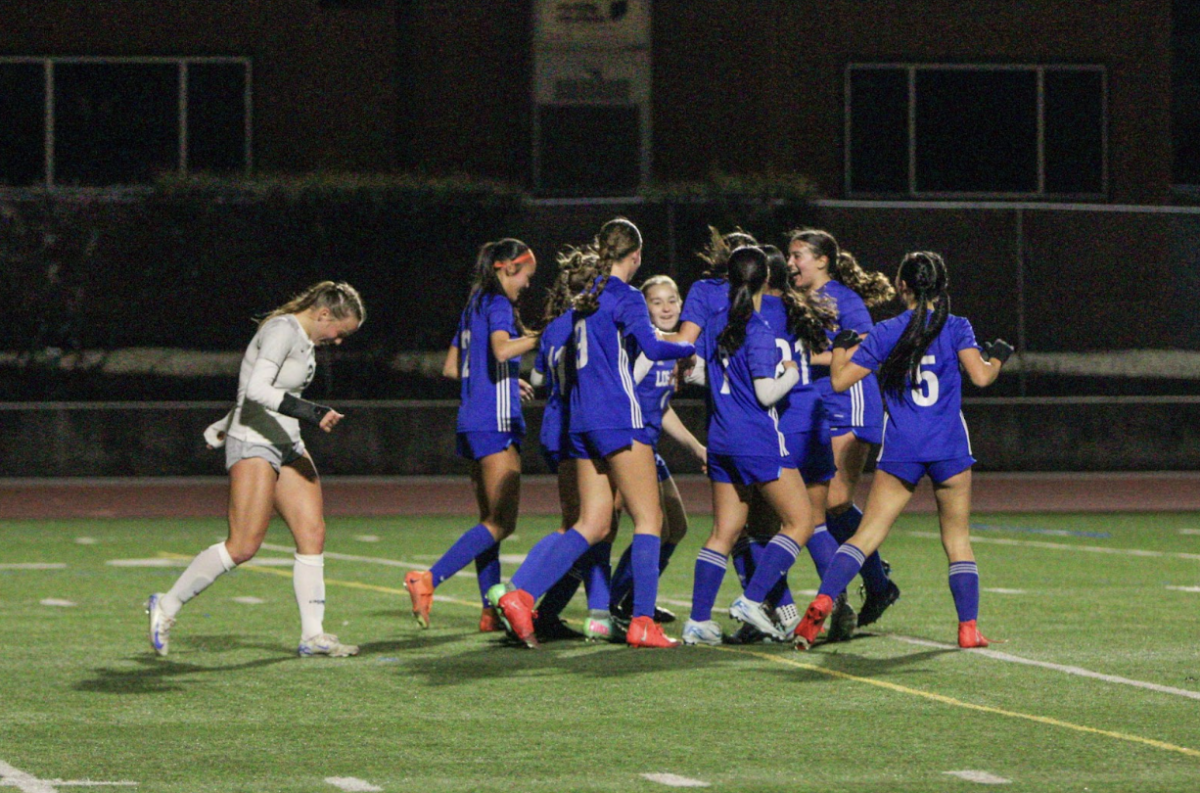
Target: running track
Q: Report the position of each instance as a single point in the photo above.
(207, 497)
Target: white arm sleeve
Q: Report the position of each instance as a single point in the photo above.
(274, 348)
(641, 368)
(536, 378)
(769, 391)
(698, 375)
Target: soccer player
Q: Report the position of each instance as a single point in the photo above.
(485, 356)
(269, 468)
(746, 450)
(917, 357)
(855, 417)
(608, 438)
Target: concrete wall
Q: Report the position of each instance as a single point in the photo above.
(394, 438)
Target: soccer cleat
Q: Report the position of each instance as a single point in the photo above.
(748, 634)
(707, 632)
(598, 627)
(755, 614)
(552, 628)
(874, 605)
(663, 616)
(160, 624)
(325, 644)
(842, 620)
(517, 609)
(787, 617)
(969, 635)
(489, 621)
(645, 632)
(419, 584)
(809, 627)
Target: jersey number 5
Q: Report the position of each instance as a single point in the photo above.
(926, 392)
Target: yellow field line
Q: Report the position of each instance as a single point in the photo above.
(958, 703)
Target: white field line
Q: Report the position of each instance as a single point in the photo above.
(56, 602)
(1003, 591)
(674, 780)
(1191, 532)
(982, 777)
(86, 540)
(1185, 588)
(1068, 670)
(249, 600)
(352, 784)
(1062, 546)
(349, 557)
(33, 566)
(28, 783)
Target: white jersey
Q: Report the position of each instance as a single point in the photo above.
(279, 361)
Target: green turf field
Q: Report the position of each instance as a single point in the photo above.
(1096, 688)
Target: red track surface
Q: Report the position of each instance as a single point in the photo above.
(203, 497)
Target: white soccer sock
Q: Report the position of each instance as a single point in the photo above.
(207, 567)
(308, 581)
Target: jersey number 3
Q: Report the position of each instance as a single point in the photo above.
(581, 351)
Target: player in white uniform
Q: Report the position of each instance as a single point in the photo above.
(269, 468)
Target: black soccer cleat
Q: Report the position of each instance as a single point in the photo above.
(874, 605)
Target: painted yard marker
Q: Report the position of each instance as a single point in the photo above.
(1185, 588)
(33, 566)
(352, 785)
(367, 538)
(1192, 532)
(674, 780)
(1002, 591)
(28, 783)
(173, 562)
(56, 602)
(86, 540)
(249, 600)
(982, 777)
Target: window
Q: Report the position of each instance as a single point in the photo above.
(91, 122)
(1019, 131)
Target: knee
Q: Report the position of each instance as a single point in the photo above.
(242, 552)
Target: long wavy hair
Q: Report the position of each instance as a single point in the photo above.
(747, 272)
(339, 297)
(617, 239)
(873, 288)
(924, 273)
(717, 250)
(809, 316)
(575, 267)
(485, 279)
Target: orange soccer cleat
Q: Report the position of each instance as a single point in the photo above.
(517, 607)
(645, 632)
(419, 584)
(814, 618)
(969, 635)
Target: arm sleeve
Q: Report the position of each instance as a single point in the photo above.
(964, 334)
(634, 317)
(771, 390)
(501, 316)
(762, 356)
(699, 373)
(536, 378)
(853, 314)
(641, 368)
(274, 346)
(871, 353)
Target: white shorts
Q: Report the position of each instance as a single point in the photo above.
(277, 454)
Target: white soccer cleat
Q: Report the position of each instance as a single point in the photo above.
(160, 624)
(707, 632)
(744, 610)
(788, 618)
(326, 644)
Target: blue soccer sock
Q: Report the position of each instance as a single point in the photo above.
(743, 561)
(778, 557)
(622, 580)
(664, 555)
(542, 570)
(843, 527)
(472, 543)
(842, 569)
(706, 582)
(487, 567)
(646, 551)
(821, 547)
(559, 595)
(596, 575)
(964, 586)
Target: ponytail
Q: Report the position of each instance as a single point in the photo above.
(716, 253)
(747, 276)
(873, 288)
(576, 269)
(485, 279)
(339, 297)
(618, 238)
(924, 274)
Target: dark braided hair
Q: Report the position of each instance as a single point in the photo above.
(809, 316)
(576, 269)
(617, 239)
(924, 274)
(873, 288)
(716, 253)
(485, 281)
(747, 274)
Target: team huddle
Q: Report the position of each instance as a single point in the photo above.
(800, 384)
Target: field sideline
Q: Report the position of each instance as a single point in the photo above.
(1095, 685)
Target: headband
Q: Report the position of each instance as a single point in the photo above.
(525, 258)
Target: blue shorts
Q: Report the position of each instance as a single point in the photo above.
(664, 473)
(598, 444)
(746, 469)
(477, 445)
(812, 456)
(872, 434)
(939, 470)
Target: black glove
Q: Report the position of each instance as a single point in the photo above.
(999, 349)
(303, 409)
(846, 339)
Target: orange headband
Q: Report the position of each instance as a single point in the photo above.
(525, 258)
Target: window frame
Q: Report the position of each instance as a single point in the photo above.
(182, 64)
(911, 70)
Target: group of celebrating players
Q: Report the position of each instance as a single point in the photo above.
(801, 386)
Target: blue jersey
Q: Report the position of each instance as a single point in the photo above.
(738, 424)
(925, 422)
(602, 394)
(555, 339)
(705, 298)
(860, 405)
(491, 396)
(654, 391)
(801, 410)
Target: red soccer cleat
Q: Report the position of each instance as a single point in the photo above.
(814, 619)
(518, 613)
(419, 584)
(489, 621)
(645, 632)
(969, 635)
